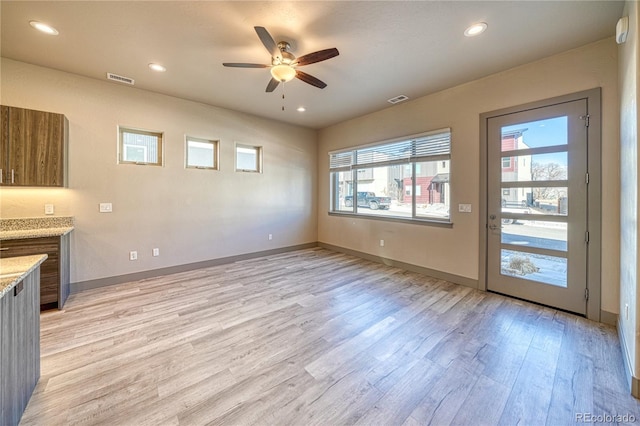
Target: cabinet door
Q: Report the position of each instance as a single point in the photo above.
(19, 349)
(4, 143)
(49, 270)
(36, 148)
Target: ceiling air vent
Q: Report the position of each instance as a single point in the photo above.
(398, 99)
(120, 79)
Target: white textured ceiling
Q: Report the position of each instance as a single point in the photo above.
(387, 48)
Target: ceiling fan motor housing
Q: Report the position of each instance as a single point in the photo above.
(287, 57)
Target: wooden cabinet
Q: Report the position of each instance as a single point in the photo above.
(33, 147)
(54, 272)
(19, 348)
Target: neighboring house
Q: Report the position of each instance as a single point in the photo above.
(515, 169)
(369, 180)
(432, 183)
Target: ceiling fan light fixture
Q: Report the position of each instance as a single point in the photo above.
(283, 73)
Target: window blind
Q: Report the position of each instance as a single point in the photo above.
(425, 147)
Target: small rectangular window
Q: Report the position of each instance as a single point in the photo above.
(201, 153)
(139, 147)
(248, 158)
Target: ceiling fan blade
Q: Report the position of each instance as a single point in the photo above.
(273, 83)
(243, 65)
(268, 42)
(310, 79)
(320, 55)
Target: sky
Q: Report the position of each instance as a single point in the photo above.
(550, 132)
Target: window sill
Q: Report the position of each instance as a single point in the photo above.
(140, 163)
(427, 222)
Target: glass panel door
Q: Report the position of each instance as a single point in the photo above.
(537, 163)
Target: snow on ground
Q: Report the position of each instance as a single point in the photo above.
(551, 270)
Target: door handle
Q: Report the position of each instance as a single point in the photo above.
(494, 227)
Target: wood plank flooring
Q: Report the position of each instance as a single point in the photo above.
(315, 337)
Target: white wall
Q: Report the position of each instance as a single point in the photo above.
(629, 179)
(191, 215)
(456, 250)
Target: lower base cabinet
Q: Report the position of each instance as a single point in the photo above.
(19, 348)
(54, 284)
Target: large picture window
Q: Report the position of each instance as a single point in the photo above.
(407, 178)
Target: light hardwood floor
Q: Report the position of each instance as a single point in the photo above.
(318, 337)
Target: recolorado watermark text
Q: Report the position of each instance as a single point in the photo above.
(605, 418)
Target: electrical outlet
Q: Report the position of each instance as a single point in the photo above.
(156, 252)
(270, 237)
(381, 243)
(48, 209)
(464, 208)
(106, 208)
(133, 255)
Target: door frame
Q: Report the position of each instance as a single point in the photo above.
(594, 190)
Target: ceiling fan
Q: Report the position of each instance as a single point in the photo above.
(284, 64)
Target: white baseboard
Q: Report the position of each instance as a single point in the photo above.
(632, 381)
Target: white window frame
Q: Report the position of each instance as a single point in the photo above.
(432, 146)
(215, 152)
(122, 146)
(258, 150)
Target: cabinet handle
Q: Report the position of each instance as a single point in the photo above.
(4, 248)
(1, 176)
(13, 175)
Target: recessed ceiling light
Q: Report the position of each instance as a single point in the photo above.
(157, 67)
(301, 109)
(475, 29)
(42, 27)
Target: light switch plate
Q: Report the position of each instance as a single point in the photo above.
(106, 208)
(464, 208)
(48, 209)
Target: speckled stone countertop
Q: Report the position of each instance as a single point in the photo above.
(35, 227)
(14, 269)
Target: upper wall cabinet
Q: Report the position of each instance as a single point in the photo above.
(33, 148)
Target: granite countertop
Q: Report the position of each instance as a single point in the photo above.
(15, 269)
(34, 233)
(36, 227)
